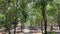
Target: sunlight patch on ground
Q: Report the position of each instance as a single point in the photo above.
(26, 30)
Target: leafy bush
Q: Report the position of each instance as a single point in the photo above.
(1, 17)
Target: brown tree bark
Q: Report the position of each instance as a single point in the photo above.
(43, 7)
(9, 32)
(42, 26)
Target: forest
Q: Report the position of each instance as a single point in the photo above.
(29, 16)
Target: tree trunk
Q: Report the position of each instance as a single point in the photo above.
(15, 21)
(45, 20)
(6, 15)
(9, 31)
(51, 28)
(31, 26)
(15, 24)
(14, 29)
(42, 27)
(43, 6)
(21, 27)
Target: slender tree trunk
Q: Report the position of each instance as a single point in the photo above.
(42, 27)
(45, 20)
(31, 26)
(15, 21)
(21, 27)
(51, 27)
(9, 31)
(15, 24)
(44, 15)
(15, 29)
(6, 15)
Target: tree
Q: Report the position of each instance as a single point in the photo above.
(23, 13)
(43, 7)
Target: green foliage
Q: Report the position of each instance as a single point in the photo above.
(27, 11)
(2, 17)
